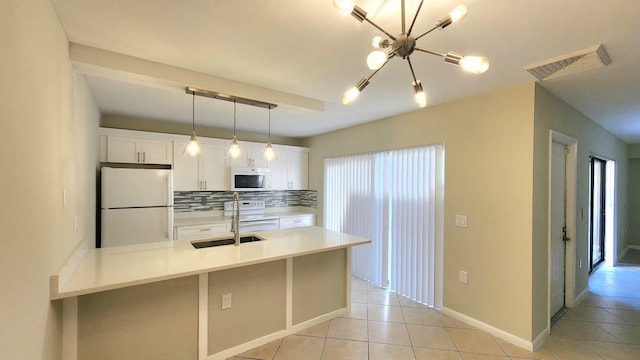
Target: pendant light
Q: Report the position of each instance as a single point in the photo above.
(269, 154)
(234, 149)
(193, 148)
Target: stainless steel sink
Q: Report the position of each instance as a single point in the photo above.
(200, 244)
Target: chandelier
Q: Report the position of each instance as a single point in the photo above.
(404, 45)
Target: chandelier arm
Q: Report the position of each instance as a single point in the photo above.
(427, 32)
(430, 52)
(411, 68)
(414, 18)
(402, 16)
(381, 29)
(375, 72)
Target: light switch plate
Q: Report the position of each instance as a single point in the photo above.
(461, 220)
(226, 301)
(463, 276)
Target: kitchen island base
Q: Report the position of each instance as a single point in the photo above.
(183, 318)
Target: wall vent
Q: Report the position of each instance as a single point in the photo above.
(587, 59)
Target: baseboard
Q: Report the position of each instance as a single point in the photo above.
(225, 354)
(539, 340)
(581, 296)
(623, 253)
(513, 339)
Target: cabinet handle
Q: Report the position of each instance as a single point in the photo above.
(205, 229)
(138, 156)
(144, 157)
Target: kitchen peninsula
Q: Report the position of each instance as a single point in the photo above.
(165, 300)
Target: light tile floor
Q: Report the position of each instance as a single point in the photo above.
(383, 325)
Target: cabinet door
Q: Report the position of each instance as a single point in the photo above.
(298, 170)
(256, 157)
(213, 170)
(156, 151)
(122, 149)
(185, 169)
(280, 171)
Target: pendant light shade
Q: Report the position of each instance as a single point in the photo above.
(269, 154)
(193, 148)
(234, 149)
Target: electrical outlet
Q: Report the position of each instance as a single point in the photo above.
(463, 276)
(580, 261)
(461, 220)
(64, 199)
(226, 301)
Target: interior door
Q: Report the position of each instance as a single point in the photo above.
(597, 212)
(558, 228)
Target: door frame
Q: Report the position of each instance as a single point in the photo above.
(570, 214)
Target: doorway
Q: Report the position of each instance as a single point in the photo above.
(559, 236)
(562, 224)
(601, 209)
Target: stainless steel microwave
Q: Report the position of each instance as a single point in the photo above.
(250, 179)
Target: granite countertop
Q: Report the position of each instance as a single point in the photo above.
(96, 270)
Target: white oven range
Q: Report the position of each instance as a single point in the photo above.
(252, 217)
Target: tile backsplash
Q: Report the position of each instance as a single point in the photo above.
(188, 201)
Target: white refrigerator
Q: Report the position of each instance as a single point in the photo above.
(137, 206)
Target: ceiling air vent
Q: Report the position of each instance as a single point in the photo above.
(591, 58)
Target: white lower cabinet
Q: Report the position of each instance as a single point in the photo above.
(204, 231)
(205, 172)
(287, 222)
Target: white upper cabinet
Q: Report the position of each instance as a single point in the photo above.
(205, 172)
(250, 156)
(290, 170)
(121, 149)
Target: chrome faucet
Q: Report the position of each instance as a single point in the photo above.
(235, 219)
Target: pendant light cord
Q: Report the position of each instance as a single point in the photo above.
(269, 124)
(234, 118)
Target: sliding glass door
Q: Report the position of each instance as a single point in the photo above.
(394, 198)
(597, 198)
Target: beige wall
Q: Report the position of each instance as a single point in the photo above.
(48, 130)
(552, 113)
(488, 150)
(633, 235)
(156, 321)
(633, 151)
(129, 123)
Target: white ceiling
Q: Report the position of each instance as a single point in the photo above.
(309, 48)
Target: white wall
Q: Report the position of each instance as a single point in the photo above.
(488, 177)
(48, 131)
(552, 113)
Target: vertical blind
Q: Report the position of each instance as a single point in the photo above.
(395, 199)
(352, 206)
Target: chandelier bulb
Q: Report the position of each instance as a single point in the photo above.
(350, 95)
(420, 96)
(458, 13)
(475, 64)
(344, 5)
(376, 59)
(379, 43)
